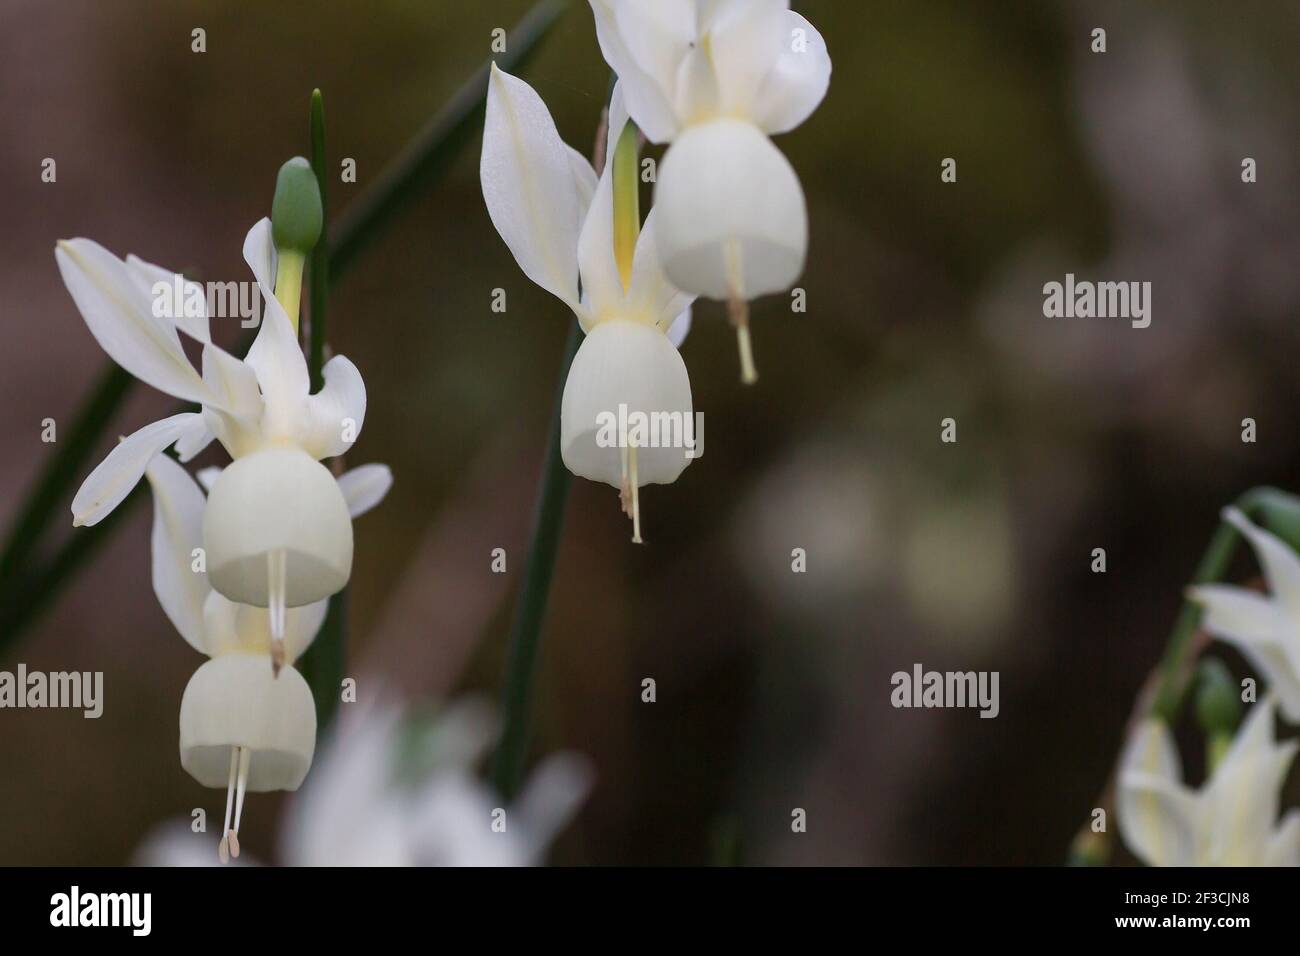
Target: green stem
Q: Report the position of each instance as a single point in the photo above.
(1174, 673)
(324, 662)
(525, 638)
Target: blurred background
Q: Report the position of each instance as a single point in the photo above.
(924, 302)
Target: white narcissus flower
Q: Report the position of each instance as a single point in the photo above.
(717, 78)
(1264, 628)
(1231, 821)
(385, 796)
(557, 219)
(276, 529)
(242, 725)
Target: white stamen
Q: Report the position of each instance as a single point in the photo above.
(636, 497)
(245, 755)
(276, 588)
(223, 850)
(738, 311)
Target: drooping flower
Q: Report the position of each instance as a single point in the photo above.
(276, 532)
(1231, 821)
(716, 79)
(242, 725)
(1264, 628)
(558, 219)
(385, 794)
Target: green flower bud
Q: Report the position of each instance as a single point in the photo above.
(296, 215)
(1218, 698)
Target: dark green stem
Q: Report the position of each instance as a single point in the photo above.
(525, 637)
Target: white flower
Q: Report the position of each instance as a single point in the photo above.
(277, 529)
(243, 725)
(383, 795)
(557, 219)
(1265, 629)
(1231, 821)
(716, 78)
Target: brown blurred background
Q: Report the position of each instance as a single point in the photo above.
(924, 302)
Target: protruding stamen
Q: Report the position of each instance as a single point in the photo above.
(223, 850)
(738, 310)
(241, 785)
(276, 572)
(636, 496)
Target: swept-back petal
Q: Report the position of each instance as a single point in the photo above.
(1281, 564)
(364, 487)
(275, 357)
(115, 476)
(650, 291)
(335, 413)
(529, 185)
(680, 328)
(602, 286)
(797, 81)
(186, 301)
(746, 39)
(177, 533)
(649, 96)
(119, 314)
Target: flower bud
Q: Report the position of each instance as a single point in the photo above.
(296, 214)
(1218, 701)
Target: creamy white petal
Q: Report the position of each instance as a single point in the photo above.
(120, 316)
(602, 286)
(1157, 819)
(1281, 564)
(1237, 614)
(650, 293)
(617, 119)
(115, 476)
(1284, 845)
(334, 415)
(649, 98)
(177, 534)
(208, 476)
(584, 180)
(551, 799)
(747, 38)
(797, 81)
(528, 181)
(276, 356)
(1276, 663)
(187, 300)
(364, 487)
(260, 254)
(680, 328)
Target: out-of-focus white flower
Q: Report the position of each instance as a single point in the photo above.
(276, 530)
(242, 725)
(386, 795)
(1264, 628)
(1231, 821)
(716, 78)
(558, 220)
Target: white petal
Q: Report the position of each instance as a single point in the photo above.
(1284, 845)
(177, 532)
(1155, 812)
(189, 311)
(193, 442)
(365, 487)
(528, 180)
(602, 286)
(1236, 614)
(584, 180)
(551, 798)
(260, 254)
(106, 486)
(120, 316)
(681, 326)
(335, 413)
(1281, 564)
(207, 476)
(650, 293)
(649, 98)
(747, 37)
(797, 81)
(615, 122)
